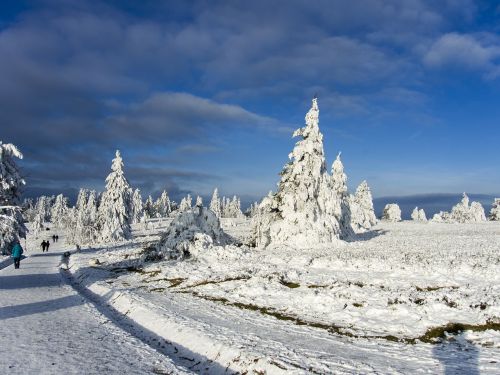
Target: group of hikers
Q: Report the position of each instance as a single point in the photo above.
(46, 244)
(17, 249)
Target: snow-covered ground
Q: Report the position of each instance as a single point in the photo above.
(377, 304)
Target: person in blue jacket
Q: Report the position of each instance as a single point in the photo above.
(16, 253)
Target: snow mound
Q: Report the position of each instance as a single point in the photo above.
(392, 212)
(418, 215)
(191, 233)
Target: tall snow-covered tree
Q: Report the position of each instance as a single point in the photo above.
(137, 207)
(495, 210)
(114, 209)
(215, 204)
(59, 211)
(12, 226)
(465, 213)
(297, 214)
(392, 212)
(362, 212)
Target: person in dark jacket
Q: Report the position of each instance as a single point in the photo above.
(43, 246)
(53, 238)
(47, 244)
(16, 253)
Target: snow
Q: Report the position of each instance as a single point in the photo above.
(418, 214)
(495, 210)
(362, 212)
(462, 213)
(323, 309)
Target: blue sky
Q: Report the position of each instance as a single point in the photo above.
(201, 94)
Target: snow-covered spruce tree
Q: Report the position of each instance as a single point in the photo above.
(392, 212)
(362, 212)
(137, 208)
(199, 201)
(185, 204)
(86, 230)
(215, 204)
(339, 201)
(495, 210)
(465, 213)
(162, 205)
(42, 207)
(12, 226)
(149, 208)
(59, 211)
(418, 214)
(114, 209)
(300, 213)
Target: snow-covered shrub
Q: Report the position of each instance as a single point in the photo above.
(191, 232)
(462, 213)
(418, 214)
(12, 226)
(392, 212)
(300, 213)
(362, 212)
(495, 210)
(465, 213)
(114, 210)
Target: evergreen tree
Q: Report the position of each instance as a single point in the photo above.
(59, 211)
(149, 208)
(162, 206)
(12, 226)
(215, 204)
(392, 212)
(341, 211)
(114, 209)
(495, 210)
(418, 215)
(137, 207)
(199, 201)
(298, 214)
(362, 212)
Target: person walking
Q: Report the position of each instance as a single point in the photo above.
(47, 244)
(57, 238)
(53, 238)
(43, 246)
(16, 252)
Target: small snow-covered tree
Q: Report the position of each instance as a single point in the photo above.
(185, 204)
(162, 205)
(392, 212)
(149, 208)
(215, 204)
(137, 208)
(341, 205)
(114, 209)
(495, 210)
(418, 214)
(298, 214)
(12, 226)
(465, 213)
(59, 211)
(362, 212)
(199, 201)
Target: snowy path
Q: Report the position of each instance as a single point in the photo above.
(46, 328)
